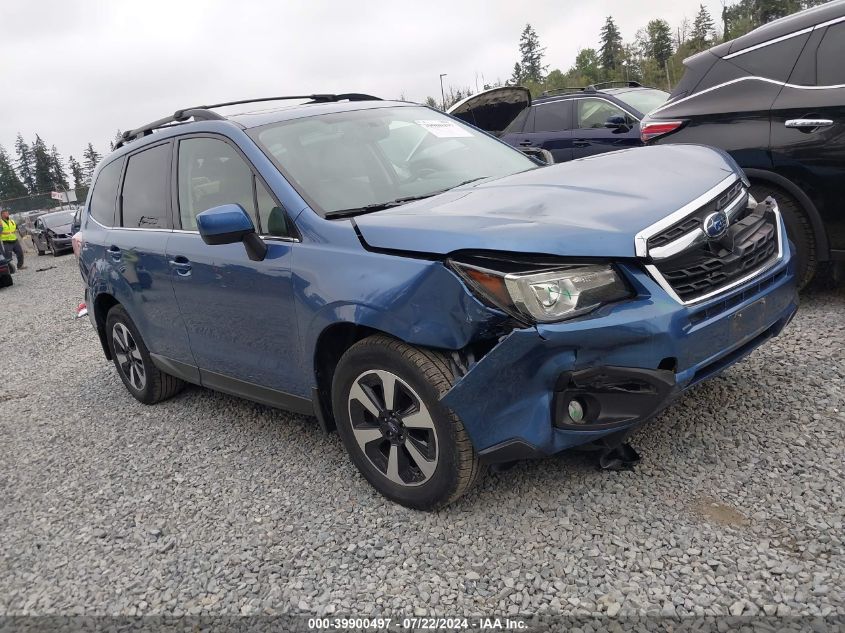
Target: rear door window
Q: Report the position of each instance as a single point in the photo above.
(553, 117)
(104, 196)
(146, 189)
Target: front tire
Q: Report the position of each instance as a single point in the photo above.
(406, 443)
(798, 227)
(142, 378)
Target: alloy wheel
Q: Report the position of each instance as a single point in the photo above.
(128, 356)
(393, 427)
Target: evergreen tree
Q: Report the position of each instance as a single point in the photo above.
(703, 30)
(57, 170)
(119, 137)
(516, 78)
(90, 160)
(41, 167)
(768, 10)
(531, 56)
(24, 164)
(659, 41)
(611, 52)
(77, 172)
(10, 185)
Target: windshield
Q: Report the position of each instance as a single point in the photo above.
(58, 219)
(644, 100)
(367, 158)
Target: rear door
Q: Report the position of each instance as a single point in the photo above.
(549, 127)
(590, 136)
(136, 251)
(239, 313)
(808, 128)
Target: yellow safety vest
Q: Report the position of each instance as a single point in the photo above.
(9, 228)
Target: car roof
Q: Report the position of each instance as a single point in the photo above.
(255, 118)
(580, 94)
(791, 24)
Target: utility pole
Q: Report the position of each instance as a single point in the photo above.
(442, 94)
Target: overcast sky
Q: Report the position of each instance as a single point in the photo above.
(77, 70)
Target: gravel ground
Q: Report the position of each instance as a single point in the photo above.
(210, 504)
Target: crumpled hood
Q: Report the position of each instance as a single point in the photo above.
(61, 229)
(591, 207)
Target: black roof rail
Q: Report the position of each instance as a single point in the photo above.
(204, 113)
(554, 91)
(624, 84)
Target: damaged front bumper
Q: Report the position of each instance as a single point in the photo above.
(623, 364)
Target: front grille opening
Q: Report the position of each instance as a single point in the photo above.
(751, 242)
(734, 300)
(696, 219)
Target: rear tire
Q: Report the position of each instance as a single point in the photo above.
(798, 227)
(142, 378)
(416, 451)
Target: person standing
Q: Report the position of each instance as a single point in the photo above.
(9, 238)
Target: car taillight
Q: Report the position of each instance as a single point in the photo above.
(650, 130)
(76, 242)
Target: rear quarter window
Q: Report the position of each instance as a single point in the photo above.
(830, 58)
(774, 61)
(104, 195)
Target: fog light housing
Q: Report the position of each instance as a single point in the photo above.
(576, 411)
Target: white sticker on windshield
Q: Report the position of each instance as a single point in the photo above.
(443, 129)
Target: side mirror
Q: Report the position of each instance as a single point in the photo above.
(616, 123)
(228, 224)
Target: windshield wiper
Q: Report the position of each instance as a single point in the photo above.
(381, 206)
(378, 206)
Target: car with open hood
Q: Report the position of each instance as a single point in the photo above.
(567, 123)
(439, 298)
(53, 232)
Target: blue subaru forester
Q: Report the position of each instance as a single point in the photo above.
(441, 299)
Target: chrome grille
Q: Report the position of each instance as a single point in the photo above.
(693, 266)
(694, 221)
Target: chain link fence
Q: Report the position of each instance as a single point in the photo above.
(40, 201)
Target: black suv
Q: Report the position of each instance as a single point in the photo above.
(775, 100)
(568, 122)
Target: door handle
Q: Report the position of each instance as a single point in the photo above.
(181, 264)
(115, 252)
(808, 123)
(526, 144)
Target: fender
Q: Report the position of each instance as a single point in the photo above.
(822, 245)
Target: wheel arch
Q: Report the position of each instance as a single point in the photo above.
(102, 304)
(819, 233)
(331, 345)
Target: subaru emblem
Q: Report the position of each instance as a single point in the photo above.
(715, 225)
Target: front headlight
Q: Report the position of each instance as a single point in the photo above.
(548, 295)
